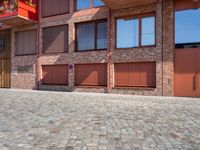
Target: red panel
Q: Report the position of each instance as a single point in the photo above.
(91, 74)
(198, 71)
(135, 74)
(27, 11)
(55, 74)
(185, 70)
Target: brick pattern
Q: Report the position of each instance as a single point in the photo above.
(162, 53)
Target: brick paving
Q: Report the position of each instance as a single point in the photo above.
(38, 120)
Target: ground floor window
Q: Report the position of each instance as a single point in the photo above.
(55, 74)
(135, 74)
(91, 74)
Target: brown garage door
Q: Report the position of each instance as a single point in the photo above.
(187, 72)
(135, 74)
(91, 75)
(55, 74)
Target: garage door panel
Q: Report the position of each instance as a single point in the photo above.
(198, 75)
(185, 70)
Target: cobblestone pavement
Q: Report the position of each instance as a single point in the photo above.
(78, 121)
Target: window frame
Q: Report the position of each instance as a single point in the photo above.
(139, 17)
(91, 5)
(95, 35)
(35, 53)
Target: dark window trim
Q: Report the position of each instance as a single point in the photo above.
(67, 49)
(15, 53)
(140, 17)
(95, 44)
(91, 6)
(55, 14)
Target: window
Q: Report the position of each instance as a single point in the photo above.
(55, 39)
(55, 74)
(25, 42)
(85, 4)
(2, 44)
(91, 75)
(135, 32)
(92, 36)
(135, 74)
(54, 7)
(127, 33)
(148, 31)
(187, 28)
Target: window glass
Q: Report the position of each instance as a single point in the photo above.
(98, 3)
(102, 35)
(148, 31)
(83, 4)
(187, 28)
(127, 33)
(86, 36)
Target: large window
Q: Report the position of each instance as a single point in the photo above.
(55, 39)
(85, 4)
(25, 42)
(135, 32)
(91, 36)
(54, 7)
(187, 28)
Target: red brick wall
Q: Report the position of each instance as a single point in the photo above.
(162, 53)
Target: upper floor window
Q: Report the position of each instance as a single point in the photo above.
(54, 7)
(25, 42)
(55, 39)
(85, 4)
(91, 36)
(187, 28)
(135, 32)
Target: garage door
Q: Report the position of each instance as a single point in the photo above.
(187, 72)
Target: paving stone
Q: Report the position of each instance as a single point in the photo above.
(38, 120)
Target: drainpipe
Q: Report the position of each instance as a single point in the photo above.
(109, 52)
(38, 46)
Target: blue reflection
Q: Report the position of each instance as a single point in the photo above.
(187, 26)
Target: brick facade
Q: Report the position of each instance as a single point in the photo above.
(162, 53)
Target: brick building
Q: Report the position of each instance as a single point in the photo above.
(124, 46)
